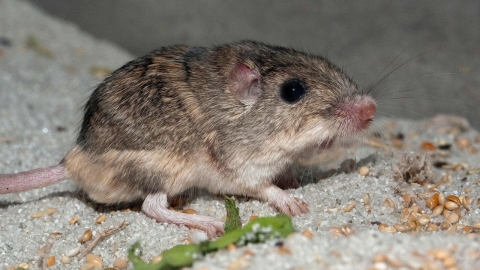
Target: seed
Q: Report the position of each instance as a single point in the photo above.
(452, 230)
(284, 250)
(380, 258)
(50, 211)
(387, 229)
(454, 198)
(453, 218)
(231, 247)
(439, 254)
(73, 220)
(437, 210)
(397, 143)
(466, 203)
(100, 219)
(389, 203)
(120, 263)
(157, 259)
(432, 228)
(332, 210)
(349, 207)
(407, 199)
(190, 211)
(37, 215)
(411, 225)
(446, 213)
(87, 235)
(451, 205)
(463, 143)
(364, 171)
(467, 229)
(66, 260)
(23, 265)
(382, 227)
(339, 231)
(414, 208)
(400, 227)
(449, 262)
(441, 198)
(428, 146)
(336, 229)
(366, 199)
(393, 262)
(424, 219)
(87, 266)
(73, 252)
(476, 225)
(50, 261)
(444, 226)
(307, 233)
(348, 231)
(187, 240)
(94, 260)
(432, 202)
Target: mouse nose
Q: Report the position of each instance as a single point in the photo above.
(367, 109)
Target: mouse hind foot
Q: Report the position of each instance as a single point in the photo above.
(156, 207)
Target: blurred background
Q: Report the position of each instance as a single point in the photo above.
(434, 44)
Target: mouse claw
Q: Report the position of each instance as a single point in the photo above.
(285, 203)
(155, 206)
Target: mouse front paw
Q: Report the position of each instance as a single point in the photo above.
(284, 202)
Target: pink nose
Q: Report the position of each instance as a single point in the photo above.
(367, 109)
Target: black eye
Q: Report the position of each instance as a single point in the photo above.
(292, 90)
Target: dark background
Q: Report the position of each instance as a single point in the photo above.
(363, 37)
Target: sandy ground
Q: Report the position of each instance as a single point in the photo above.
(41, 97)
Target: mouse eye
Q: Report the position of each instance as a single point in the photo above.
(292, 90)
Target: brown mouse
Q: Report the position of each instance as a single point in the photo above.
(231, 119)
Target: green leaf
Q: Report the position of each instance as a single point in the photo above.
(256, 231)
(233, 221)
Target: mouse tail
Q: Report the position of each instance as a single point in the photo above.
(11, 183)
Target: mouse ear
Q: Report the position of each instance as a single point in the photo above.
(244, 83)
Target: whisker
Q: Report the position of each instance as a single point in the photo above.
(395, 69)
(379, 75)
(407, 110)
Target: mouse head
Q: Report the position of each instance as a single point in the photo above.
(297, 98)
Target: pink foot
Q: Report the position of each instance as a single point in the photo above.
(284, 202)
(155, 206)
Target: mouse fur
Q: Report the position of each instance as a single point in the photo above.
(186, 117)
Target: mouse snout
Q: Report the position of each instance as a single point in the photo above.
(366, 109)
(355, 115)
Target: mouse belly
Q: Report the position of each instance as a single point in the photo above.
(127, 176)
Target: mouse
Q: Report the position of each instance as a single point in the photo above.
(231, 119)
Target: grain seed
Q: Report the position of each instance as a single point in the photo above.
(94, 260)
(86, 236)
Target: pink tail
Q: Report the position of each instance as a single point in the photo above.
(11, 183)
